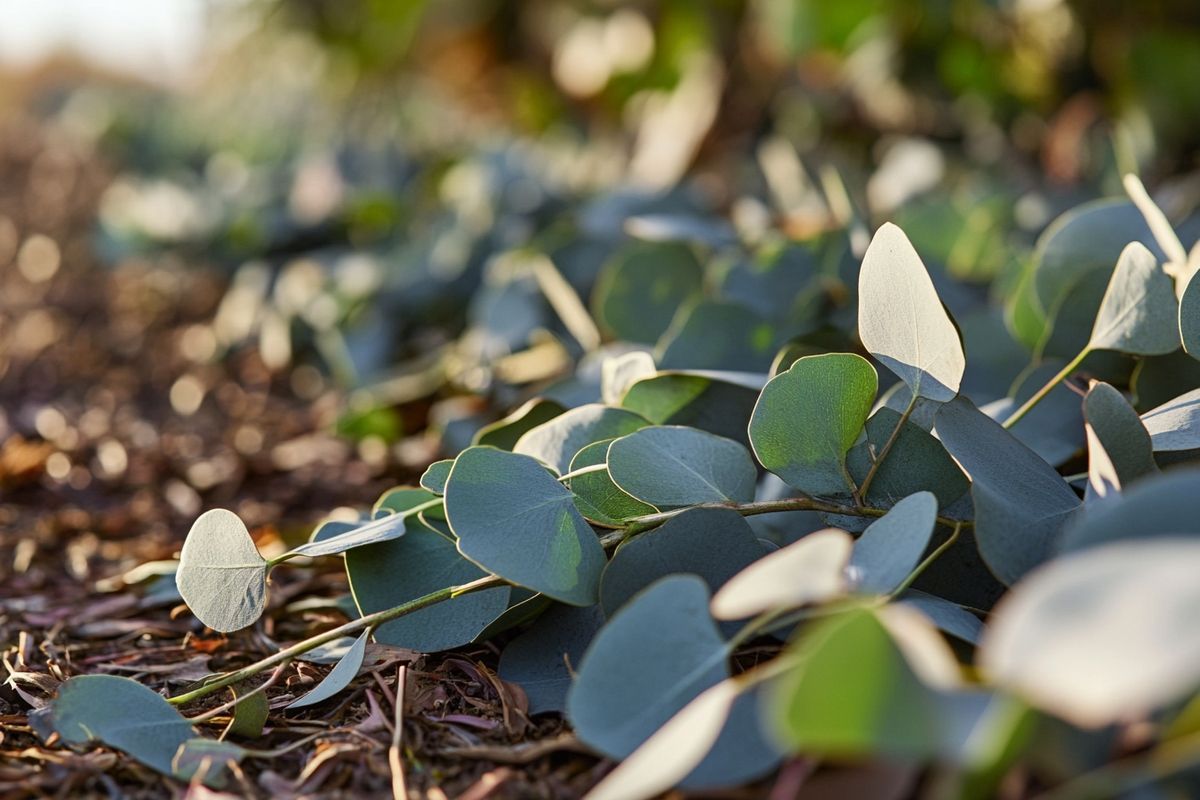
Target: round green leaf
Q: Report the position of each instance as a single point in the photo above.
(852, 693)
(711, 543)
(596, 496)
(542, 660)
(1021, 503)
(674, 466)
(902, 322)
(717, 402)
(1119, 448)
(122, 714)
(222, 577)
(516, 521)
(892, 545)
(1102, 636)
(639, 290)
(808, 417)
(556, 442)
(337, 678)
(811, 570)
(1139, 312)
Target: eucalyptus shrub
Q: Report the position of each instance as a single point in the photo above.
(620, 540)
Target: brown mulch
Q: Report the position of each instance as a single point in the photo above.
(117, 428)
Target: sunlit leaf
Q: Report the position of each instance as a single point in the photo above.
(1175, 425)
(222, 577)
(811, 570)
(1139, 312)
(808, 417)
(516, 521)
(717, 402)
(434, 477)
(503, 434)
(901, 320)
(556, 442)
(1102, 636)
(596, 496)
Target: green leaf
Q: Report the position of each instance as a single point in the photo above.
(718, 335)
(639, 290)
(434, 477)
(337, 678)
(653, 658)
(1175, 425)
(1104, 636)
(250, 714)
(596, 496)
(122, 714)
(1139, 312)
(852, 693)
(387, 575)
(222, 577)
(916, 462)
(503, 434)
(892, 545)
(1161, 505)
(618, 373)
(807, 419)
(1189, 316)
(399, 500)
(811, 570)
(556, 442)
(901, 320)
(712, 543)
(717, 402)
(674, 466)
(542, 660)
(1021, 503)
(516, 521)
(1119, 448)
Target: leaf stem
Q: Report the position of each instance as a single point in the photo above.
(1016, 416)
(932, 557)
(643, 523)
(887, 446)
(353, 626)
(382, 522)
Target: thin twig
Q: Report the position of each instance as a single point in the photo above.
(399, 787)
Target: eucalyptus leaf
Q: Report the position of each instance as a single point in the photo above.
(434, 477)
(503, 434)
(596, 496)
(378, 530)
(892, 545)
(338, 678)
(811, 570)
(1139, 311)
(674, 466)
(902, 322)
(852, 693)
(717, 402)
(250, 714)
(1103, 636)
(654, 657)
(950, 617)
(712, 543)
(516, 521)
(542, 660)
(1175, 425)
(122, 714)
(556, 442)
(1189, 316)
(916, 462)
(718, 335)
(1021, 503)
(211, 755)
(1119, 448)
(808, 417)
(639, 290)
(221, 576)
(620, 372)
(1161, 505)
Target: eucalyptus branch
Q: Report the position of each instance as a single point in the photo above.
(1041, 393)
